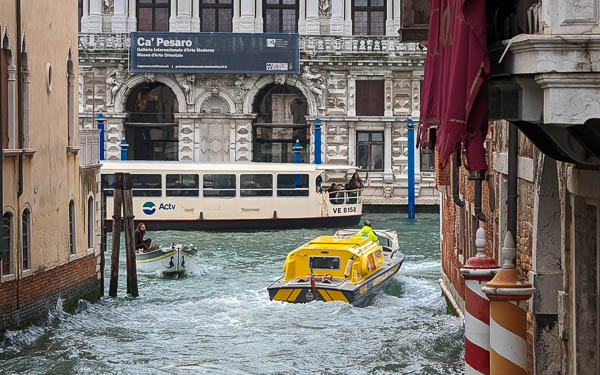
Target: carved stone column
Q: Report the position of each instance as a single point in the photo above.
(196, 17)
(258, 21)
(397, 15)
(348, 20)
(247, 17)
(184, 15)
(119, 18)
(389, 20)
(351, 96)
(336, 24)
(85, 17)
(94, 21)
(173, 17)
(313, 24)
(388, 176)
(301, 17)
(236, 16)
(352, 143)
(132, 17)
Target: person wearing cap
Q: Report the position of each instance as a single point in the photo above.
(367, 231)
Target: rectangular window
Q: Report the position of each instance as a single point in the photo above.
(280, 16)
(25, 238)
(256, 185)
(146, 185)
(216, 15)
(369, 150)
(218, 185)
(368, 17)
(427, 161)
(370, 98)
(324, 263)
(108, 184)
(153, 15)
(292, 185)
(183, 185)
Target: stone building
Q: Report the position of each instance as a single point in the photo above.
(544, 85)
(50, 184)
(361, 67)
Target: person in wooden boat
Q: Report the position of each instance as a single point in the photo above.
(367, 231)
(142, 244)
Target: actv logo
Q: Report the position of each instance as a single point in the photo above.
(149, 208)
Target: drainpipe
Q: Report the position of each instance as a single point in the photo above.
(20, 146)
(513, 149)
(19, 98)
(457, 200)
(478, 178)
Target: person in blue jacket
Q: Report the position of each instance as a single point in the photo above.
(367, 231)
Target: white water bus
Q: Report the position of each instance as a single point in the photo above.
(231, 196)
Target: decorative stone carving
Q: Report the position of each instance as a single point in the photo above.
(186, 82)
(114, 80)
(214, 103)
(280, 79)
(109, 6)
(316, 83)
(241, 89)
(325, 8)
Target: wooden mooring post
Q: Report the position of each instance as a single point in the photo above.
(123, 199)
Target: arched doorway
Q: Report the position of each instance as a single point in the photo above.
(280, 122)
(150, 127)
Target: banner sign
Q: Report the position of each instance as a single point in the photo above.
(226, 53)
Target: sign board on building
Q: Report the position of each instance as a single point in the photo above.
(214, 53)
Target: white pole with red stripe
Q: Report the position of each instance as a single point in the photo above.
(477, 271)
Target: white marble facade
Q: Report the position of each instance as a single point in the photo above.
(215, 114)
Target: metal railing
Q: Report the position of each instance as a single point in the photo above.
(345, 196)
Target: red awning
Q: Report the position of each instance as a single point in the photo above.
(455, 95)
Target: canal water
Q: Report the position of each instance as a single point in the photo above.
(219, 319)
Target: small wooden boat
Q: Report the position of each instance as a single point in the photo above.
(172, 260)
(338, 268)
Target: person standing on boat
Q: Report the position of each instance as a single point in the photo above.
(367, 231)
(140, 242)
(355, 182)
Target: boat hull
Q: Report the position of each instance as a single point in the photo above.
(171, 261)
(248, 224)
(339, 290)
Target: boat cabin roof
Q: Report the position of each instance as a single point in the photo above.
(143, 166)
(354, 245)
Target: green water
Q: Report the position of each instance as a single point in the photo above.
(219, 319)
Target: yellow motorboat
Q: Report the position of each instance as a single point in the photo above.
(337, 268)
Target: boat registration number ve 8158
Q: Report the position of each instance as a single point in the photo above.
(345, 210)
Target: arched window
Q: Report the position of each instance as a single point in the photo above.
(90, 227)
(368, 17)
(216, 15)
(4, 62)
(280, 16)
(72, 227)
(26, 238)
(153, 15)
(7, 242)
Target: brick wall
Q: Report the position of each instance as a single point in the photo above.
(28, 300)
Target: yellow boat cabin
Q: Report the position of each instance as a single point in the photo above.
(344, 268)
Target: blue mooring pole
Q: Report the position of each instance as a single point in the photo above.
(411, 169)
(296, 149)
(124, 148)
(318, 141)
(100, 120)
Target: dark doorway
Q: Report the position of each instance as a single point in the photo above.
(280, 122)
(150, 128)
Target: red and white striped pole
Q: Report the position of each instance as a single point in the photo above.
(508, 315)
(477, 271)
